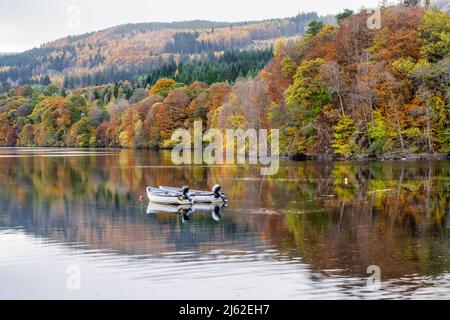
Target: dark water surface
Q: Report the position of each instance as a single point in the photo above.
(309, 232)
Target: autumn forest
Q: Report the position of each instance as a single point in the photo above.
(334, 87)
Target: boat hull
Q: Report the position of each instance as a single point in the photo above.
(167, 198)
(200, 196)
(205, 199)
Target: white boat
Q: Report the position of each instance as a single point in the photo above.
(213, 196)
(180, 196)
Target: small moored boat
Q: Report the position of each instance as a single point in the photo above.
(180, 196)
(213, 196)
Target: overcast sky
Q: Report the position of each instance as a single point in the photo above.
(25, 24)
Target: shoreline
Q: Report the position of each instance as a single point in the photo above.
(413, 157)
(383, 157)
(391, 156)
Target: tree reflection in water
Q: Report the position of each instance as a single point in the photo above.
(337, 217)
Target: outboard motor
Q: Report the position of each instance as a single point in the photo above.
(216, 189)
(185, 191)
(217, 194)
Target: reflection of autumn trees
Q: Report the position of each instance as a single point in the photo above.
(94, 200)
(348, 216)
(343, 216)
(393, 215)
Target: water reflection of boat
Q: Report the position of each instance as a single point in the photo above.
(178, 196)
(186, 210)
(197, 196)
(213, 208)
(166, 208)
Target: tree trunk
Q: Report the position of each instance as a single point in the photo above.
(341, 103)
(427, 103)
(394, 106)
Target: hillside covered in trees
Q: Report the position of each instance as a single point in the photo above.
(343, 91)
(128, 51)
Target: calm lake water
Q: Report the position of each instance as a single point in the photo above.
(310, 232)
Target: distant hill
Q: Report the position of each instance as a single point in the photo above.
(127, 51)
